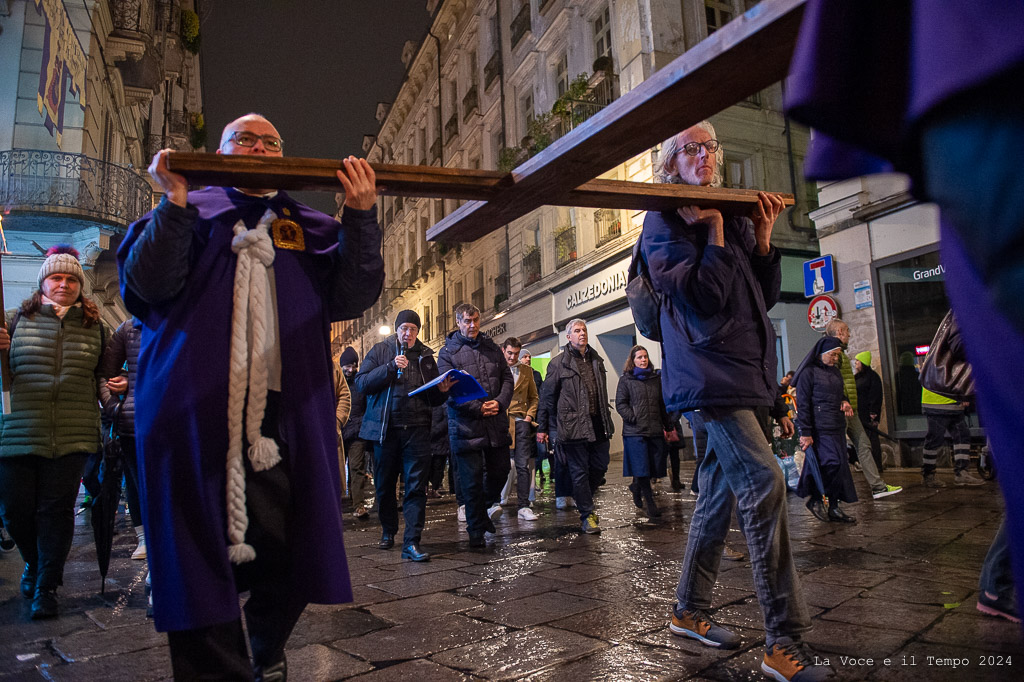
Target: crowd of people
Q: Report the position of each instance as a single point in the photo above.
(247, 440)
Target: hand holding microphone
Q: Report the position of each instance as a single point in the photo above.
(401, 361)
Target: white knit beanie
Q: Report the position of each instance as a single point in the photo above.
(62, 258)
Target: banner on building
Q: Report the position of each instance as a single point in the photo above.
(63, 60)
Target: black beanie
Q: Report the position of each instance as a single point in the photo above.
(348, 357)
(407, 316)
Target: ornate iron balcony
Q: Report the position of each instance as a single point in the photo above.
(33, 180)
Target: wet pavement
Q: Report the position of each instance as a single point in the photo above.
(544, 602)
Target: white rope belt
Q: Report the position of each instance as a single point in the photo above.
(248, 375)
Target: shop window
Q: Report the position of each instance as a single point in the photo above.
(913, 303)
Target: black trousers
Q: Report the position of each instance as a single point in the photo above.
(405, 450)
(219, 652)
(37, 502)
(481, 476)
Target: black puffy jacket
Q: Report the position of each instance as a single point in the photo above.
(468, 429)
(564, 403)
(122, 351)
(387, 393)
(355, 416)
(638, 401)
(820, 393)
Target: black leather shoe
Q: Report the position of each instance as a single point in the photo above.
(490, 527)
(477, 541)
(413, 553)
(44, 605)
(816, 507)
(838, 515)
(28, 582)
(387, 541)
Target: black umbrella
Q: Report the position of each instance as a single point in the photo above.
(104, 507)
(811, 464)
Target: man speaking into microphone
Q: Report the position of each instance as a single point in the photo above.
(398, 425)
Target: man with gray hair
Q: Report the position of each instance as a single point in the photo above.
(478, 429)
(718, 275)
(861, 443)
(575, 400)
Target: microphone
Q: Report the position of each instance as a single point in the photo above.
(404, 348)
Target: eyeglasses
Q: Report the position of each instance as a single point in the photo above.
(246, 139)
(693, 148)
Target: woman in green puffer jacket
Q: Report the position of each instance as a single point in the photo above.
(55, 342)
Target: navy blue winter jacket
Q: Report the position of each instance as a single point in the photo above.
(468, 429)
(719, 344)
(820, 394)
(386, 393)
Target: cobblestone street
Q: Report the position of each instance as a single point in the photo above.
(544, 602)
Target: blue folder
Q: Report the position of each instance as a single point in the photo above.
(466, 388)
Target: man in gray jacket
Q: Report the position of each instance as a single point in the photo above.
(575, 395)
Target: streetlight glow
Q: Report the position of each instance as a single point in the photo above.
(384, 330)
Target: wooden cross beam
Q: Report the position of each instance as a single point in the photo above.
(445, 183)
(746, 55)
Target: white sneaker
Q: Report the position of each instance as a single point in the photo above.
(526, 514)
(504, 502)
(563, 503)
(140, 551)
(494, 512)
(462, 513)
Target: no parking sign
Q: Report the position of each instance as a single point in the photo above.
(821, 311)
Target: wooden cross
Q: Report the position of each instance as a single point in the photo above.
(746, 55)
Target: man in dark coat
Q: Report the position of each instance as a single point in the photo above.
(355, 447)
(398, 425)
(717, 276)
(478, 429)
(574, 401)
(869, 402)
(236, 290)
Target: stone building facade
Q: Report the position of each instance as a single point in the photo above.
(88, 92)
(494, 81)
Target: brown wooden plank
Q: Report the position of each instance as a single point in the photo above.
(451, 183)
(646, 196)
(298, 173)
(746, 55)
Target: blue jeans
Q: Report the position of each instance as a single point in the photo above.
(587, 464)
(996, 572)
(405, 449)
(700, 445)
(481, 476)
(739, 469)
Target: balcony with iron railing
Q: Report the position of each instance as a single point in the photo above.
(501, 289)
(451, 128)
(470, 103)
(565, 246)
(607, 224)
(520, 25)
(492, 69)
(531, 266)
(131, 16)
(37, 181)
(576, 112)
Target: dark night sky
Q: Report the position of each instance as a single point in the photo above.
(315, 68)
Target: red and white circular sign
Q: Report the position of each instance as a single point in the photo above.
(821, 311)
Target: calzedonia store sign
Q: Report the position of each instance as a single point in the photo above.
(607, 285)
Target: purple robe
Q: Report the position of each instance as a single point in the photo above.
(182, 391)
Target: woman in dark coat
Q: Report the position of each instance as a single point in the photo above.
(644, 422)
(819, 392)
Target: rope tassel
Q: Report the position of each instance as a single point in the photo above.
(248, 374)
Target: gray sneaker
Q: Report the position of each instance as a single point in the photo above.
(590, 526)
(931, 482)
(965, 478)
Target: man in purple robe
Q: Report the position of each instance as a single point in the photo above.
(236, 290)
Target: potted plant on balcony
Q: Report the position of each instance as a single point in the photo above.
(190, 31)
(197, 131)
